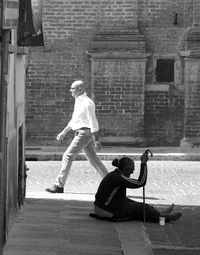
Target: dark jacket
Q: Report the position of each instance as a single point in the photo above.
(111, 193)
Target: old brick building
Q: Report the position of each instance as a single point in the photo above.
(140, 60)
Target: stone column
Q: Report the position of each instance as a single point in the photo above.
(191, 130)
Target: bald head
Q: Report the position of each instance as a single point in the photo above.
(78, 83)
(77, 88)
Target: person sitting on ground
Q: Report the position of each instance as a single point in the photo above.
(111, 200)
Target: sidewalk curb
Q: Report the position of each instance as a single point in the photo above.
(134, 239)
(111, 156)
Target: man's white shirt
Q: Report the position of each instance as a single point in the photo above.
(84, 114)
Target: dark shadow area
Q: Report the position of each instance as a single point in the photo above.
(31, 159)
(30, 32)
(52, 226)
(65, 225)
(179, 237)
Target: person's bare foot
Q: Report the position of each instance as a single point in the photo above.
(173, 216)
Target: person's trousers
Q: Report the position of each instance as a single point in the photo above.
(135, 210)
(83, 140)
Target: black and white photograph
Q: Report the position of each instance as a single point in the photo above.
(100, 127)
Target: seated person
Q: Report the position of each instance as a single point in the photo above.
(111, 201)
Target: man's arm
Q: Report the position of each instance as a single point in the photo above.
(91, 116)
(98, 145)
(62, 134)
(90, 109)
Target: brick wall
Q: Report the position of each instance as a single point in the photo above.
(163, 118)
(69, 27)
(119, 96)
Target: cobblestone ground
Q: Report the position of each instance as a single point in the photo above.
(168, 181)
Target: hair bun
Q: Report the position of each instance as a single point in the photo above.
(115, 162)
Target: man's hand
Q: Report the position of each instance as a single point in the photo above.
(98, 146)
(60, 136)
(145, 157)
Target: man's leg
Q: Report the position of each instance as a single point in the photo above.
(67, 160)
(77, 144)
(80, 139)
(94, 160)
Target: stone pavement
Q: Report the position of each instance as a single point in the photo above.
(57, 227)
(59, 223)
(177, 238)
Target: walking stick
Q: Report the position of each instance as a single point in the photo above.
(144, 211)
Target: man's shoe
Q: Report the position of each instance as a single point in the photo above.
(173, 216)
(55, 189)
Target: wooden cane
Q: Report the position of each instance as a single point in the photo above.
(144, 211)
(144, 207)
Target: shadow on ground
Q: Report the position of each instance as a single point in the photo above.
(179, 237)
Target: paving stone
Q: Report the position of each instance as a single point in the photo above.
(168, 181)
(42, 231)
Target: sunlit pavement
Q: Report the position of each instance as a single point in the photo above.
(168, 181)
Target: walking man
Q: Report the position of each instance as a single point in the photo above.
(85, 126)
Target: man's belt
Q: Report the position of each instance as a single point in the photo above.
(83, 128)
